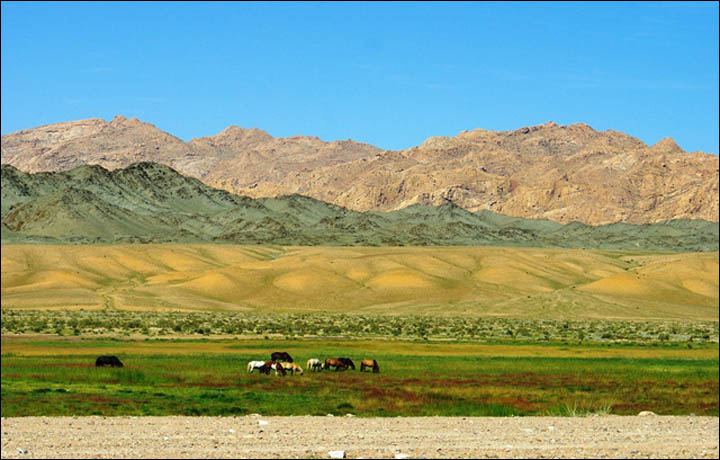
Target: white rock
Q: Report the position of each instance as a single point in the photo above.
(21, 450)
(646, 413)
(402, 456)
(336, 453)
(262, 422)
(331, 415)
(231, 431)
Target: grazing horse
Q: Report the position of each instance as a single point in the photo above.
(281, 356)
(314, 364)
(256, 365)
(111, 361)
(348, 362)
(369, 364)
(336, 363)
(277, 367)
(292, 368)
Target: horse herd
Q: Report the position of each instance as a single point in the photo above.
(281, 362)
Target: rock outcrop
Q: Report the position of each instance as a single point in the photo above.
(562, 173)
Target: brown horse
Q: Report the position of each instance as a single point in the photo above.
(278, 368)
(336, 363)
(271, 366)
(281, 356)
(369, 364)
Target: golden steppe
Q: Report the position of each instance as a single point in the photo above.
(456, 281)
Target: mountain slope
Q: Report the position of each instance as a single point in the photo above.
(561, 173)
(149, 202)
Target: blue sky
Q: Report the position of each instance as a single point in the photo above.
(390, 74)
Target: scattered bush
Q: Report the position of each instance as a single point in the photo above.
(123, 323)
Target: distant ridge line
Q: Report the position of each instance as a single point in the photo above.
(148, 202)
(564, 173)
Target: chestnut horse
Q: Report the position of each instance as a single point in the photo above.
(369, 364)
(336, 363)
(277, 367)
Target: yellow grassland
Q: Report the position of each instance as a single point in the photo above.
(474, 281)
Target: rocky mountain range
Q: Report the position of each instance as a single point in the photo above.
(561, 173)
(149, 202)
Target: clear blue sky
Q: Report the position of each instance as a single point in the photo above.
(390, 74)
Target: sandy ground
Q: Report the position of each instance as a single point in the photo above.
(314, 437)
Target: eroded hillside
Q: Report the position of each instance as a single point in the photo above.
(562, 173)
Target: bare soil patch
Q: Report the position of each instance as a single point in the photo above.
(314, 437)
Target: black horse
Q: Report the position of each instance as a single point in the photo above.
(281, 356)
(111, 361)
(348, 362)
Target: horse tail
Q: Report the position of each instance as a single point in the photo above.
(376, 367)
(250, 368)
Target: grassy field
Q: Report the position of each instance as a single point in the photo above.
(457, 330)
(561, 284)
(209, 377)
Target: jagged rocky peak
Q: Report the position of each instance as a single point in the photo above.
(120, 121)
(667, 145)
(244, 134)
(551, 171)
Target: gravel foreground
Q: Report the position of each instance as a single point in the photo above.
(315, 437)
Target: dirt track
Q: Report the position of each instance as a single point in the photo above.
(314, 437)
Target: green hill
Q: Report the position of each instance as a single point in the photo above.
(149, 202)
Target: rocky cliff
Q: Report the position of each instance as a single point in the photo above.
(562, 173)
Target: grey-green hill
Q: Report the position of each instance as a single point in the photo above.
(149, 202)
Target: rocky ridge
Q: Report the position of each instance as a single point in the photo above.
(150, 202)
(562, 173)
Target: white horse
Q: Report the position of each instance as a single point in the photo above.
(314, 365)
(252, 365)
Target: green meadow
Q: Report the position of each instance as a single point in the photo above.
(53, 377)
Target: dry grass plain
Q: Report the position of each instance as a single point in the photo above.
(474, 281)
